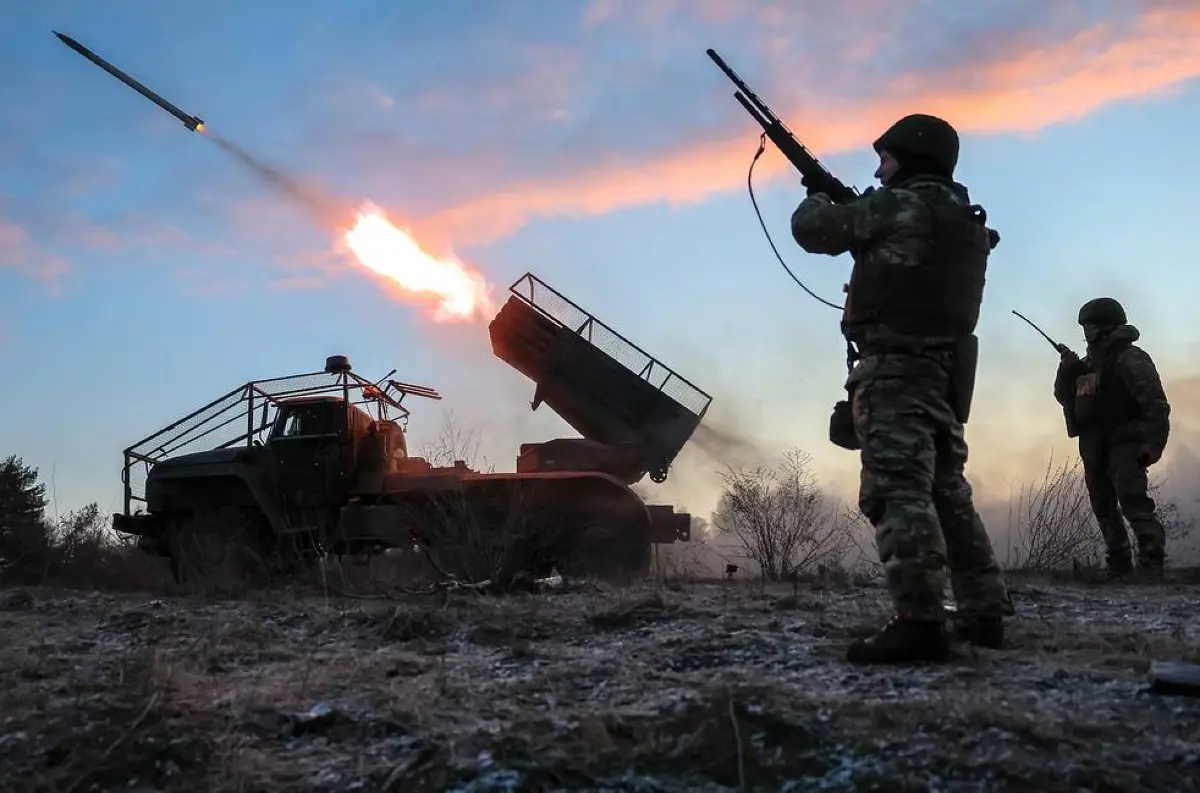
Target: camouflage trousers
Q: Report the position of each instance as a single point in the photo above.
(914, 491)
(1118, 487)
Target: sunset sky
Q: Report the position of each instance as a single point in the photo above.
(143, 272)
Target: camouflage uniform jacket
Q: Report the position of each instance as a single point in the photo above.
(1129, 403)
(891, 226)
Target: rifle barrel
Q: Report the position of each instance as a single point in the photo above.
(754, 112)
(747, 94)
(717, 59)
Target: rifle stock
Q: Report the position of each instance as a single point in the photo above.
(816, 176)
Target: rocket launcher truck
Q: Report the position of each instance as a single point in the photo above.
(279, 471)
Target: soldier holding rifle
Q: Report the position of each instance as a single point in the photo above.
(920, 251)
(920, 254)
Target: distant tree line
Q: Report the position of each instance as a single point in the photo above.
(36, 548)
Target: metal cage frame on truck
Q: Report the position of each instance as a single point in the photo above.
(243, 402)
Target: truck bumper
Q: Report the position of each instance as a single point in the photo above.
(139, 525)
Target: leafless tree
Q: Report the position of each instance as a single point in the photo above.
(781, 520)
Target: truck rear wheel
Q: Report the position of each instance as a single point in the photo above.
(610, 549)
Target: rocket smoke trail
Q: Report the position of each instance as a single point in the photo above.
(324, 209)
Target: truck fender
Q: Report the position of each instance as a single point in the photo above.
(244, 475)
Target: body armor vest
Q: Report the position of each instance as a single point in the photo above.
(1102, 400)
(938, 296)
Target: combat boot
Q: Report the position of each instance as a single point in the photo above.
(1150, 570)
(983, 631)
(903, 641)
(1152, 560)
(1118, 566)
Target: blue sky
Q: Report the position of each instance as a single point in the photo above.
(143, 273)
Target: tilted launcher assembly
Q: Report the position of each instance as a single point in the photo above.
(633, 412)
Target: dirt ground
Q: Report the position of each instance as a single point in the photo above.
(655, 687)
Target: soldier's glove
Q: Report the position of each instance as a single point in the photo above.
(1069, 365)
(810, 190)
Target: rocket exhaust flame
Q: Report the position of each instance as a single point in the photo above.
(461, 293)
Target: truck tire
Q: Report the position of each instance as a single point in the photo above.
(608, 549)
(217, 549)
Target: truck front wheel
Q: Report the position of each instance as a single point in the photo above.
(217, 548)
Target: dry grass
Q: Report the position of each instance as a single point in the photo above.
(692, 686)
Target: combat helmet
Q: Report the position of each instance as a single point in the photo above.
(928, 137)
(1105, 312)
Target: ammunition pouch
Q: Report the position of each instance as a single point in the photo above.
(1069, 420)
(841, 426)
(962, 376)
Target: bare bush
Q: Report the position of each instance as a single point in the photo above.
(454, 443)
(79, 550)
(454, 541)
(1051, 524)
(860, 536)
(1177, 524)
(781, 520)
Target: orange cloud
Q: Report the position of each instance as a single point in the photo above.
(1023, 92)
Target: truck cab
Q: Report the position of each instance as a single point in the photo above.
(323, 450)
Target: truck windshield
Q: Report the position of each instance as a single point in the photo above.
(303, 421)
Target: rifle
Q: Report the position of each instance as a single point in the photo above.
(816, 176)
(1062, 350)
